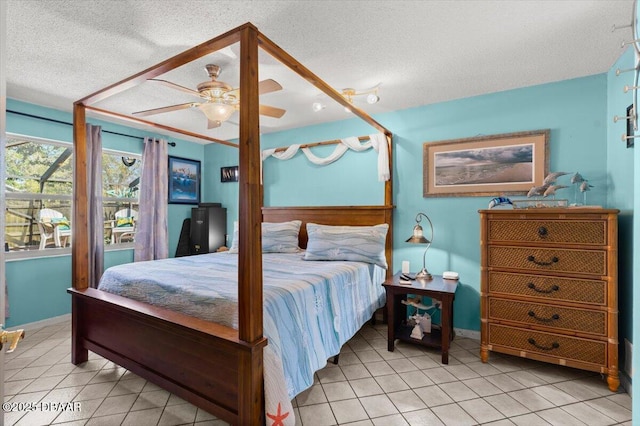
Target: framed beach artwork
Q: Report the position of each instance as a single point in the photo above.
(506, 164)
(184, 181)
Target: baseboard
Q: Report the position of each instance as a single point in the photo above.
(625, 382)
(44, 323)
(469, 334)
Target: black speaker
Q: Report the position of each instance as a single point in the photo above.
(184, 244)
(208, 229)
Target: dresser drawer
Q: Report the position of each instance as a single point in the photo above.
(551, 288)
(548, 231)
(549, 344)
(568, 319)
(549, 260)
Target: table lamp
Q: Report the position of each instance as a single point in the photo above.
(418, 238)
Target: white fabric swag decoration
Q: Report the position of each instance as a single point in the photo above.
(377, 141)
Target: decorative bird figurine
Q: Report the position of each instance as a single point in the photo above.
(584, 186)
(577, 178)
(551, 177)
(552, 190)
(537, 190)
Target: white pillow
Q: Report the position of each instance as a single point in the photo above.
(277, 237)
(356, 243)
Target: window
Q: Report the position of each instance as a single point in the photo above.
(39, 189)
(120, 183)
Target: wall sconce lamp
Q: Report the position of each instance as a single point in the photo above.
(419, 238)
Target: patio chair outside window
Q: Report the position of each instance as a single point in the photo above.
(123, 224)
(53, 225)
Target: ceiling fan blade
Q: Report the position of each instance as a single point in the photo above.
(165, 109)
(265, 86)
(268, 86)
(272, 111)
(176, 87)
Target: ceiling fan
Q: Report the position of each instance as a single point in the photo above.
(220, 99)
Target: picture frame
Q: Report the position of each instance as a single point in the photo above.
(229, 174)
(504, 164)
(630, 126)
(184, 181)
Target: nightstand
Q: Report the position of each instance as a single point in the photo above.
(436, 288)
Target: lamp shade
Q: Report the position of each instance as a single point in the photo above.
(217, 111)
(372, 98)
(418, 236)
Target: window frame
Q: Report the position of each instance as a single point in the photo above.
(65, 251)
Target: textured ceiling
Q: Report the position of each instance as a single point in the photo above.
(420, 52)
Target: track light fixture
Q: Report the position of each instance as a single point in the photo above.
(349, 94)
(372, 94)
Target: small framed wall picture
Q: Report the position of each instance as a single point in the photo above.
(184, 181)
(229, 174)
(631, 120)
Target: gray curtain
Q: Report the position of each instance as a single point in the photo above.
(152, 241)
(95, 210)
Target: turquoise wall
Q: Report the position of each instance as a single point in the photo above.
(620, 165)
(37, 286)
(574, 110)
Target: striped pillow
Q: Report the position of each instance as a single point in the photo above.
(277, 237)
(356, 243)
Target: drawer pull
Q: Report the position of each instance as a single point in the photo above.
(542, 231)
(533, 287)
(554, 317)
(539, 263)
(554, 345)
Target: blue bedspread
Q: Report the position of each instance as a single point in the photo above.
(311, 308)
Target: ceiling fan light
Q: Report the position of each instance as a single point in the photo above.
(317, 106)
(372, 98)
(217, 111)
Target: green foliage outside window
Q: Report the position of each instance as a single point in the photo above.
(39, 174)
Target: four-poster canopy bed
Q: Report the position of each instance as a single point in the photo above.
(213, 366)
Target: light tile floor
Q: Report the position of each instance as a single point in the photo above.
(370, 386)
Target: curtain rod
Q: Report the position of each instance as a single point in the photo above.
(71, 124)
(331, 142)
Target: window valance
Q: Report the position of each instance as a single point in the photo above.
(377, 141)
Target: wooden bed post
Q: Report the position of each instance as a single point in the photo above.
(388, 202)
(251, 403)
(79, 241)
(80, 226)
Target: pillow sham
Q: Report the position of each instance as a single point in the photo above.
(277, 237)
(356, 243)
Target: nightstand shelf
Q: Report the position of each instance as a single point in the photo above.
(432, 340)
(436, 288)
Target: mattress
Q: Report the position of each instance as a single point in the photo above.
(311, 308)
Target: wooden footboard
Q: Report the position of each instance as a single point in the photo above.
(199, 361)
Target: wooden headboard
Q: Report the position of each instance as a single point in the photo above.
(335, 215)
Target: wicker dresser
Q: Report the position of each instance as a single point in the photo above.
(549, 286)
